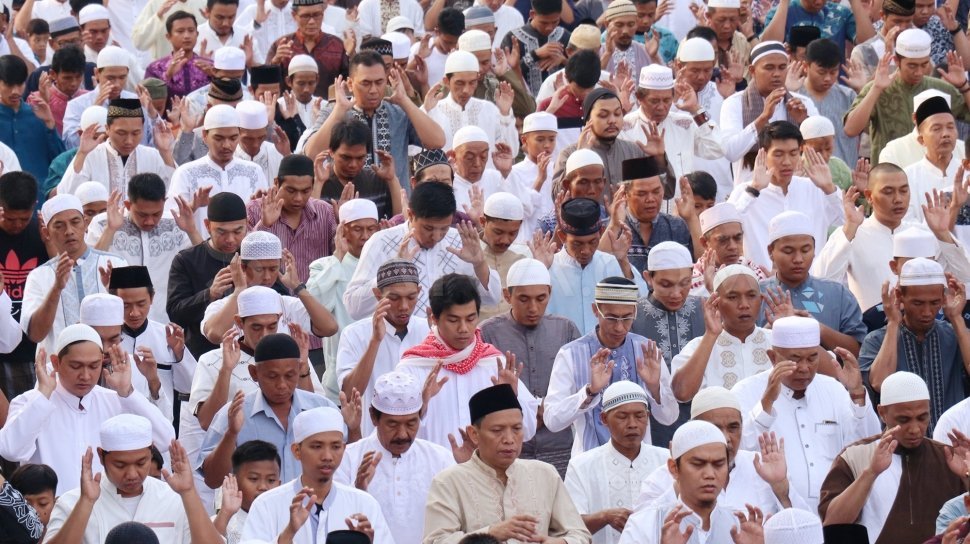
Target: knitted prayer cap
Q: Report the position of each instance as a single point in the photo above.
(397, 394)
(619, 8)
(126, 432)
(669, 255)
(225, 89)
(260, 245)
(258, 300)
(694, 434)
(303, 3)
(381, 46)
(794, 526)
(622, 392)
(580, 217)
(802, 35)
(130, 277)
(795, 332)
(131, 532)
(225, 207)
(125, 107)
(428, 157)
(397, 271)
(276, 346)
(616, 290)
(492, 399)
(102, 310)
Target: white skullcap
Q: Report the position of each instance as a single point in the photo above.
(461, 61)
(902, 387)
(229, 58)
(102, 310)
(795, 332)
(252, 115)
(717, 215)
(260, 245)
(921, 271)
(695, 50)
(913, 43)
(794, 526)
(92, 12)
(468, 134)
(668, 256)
(926, 95)
(729, 4)
(400, 45)
(539, 121)
(914, 242)
(527, 272)
(254, 541)
(816, 126)
(357, 208)
(76, 333)
(58, 204)
(323, 419)
(693, 434)
(302, 63)
(712, 398)
(91, 191)
(397, 394)
(474, 40)
(258, 300)
(582, 157)
(505, 206)
(790, 223)
(399, 23)
(126, 432)
(94, 115)
(622, 392)
(113, 56)
(733, 270)
(221, 116)
(656, 77)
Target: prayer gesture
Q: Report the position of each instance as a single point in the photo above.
(222, 282)
(231, 495)
(90, 138)
(46, 381)
(960, 196)
(955, 73)
(200, 198)
(471, 249)
(600, 371)
(351, 410)
(475, 210)
(432, 386)
(519, 527)
(854, 215)
(850, 376)
(183, 215)
(62, 274)
(288, 272)
(762, 174)
(238, 274)
(434, 95)
(463, 452)
(686, 97)
(670, 532)
(379, 323)
(117, 374)
(936, 213)
(284, 51)
(781, 371)
(712, 316)
(230, 349)
(956, 298)
(180, 479)
(115, 211)
(685, 202)
(655, 140)
(299, 514)
(542, 170)
(855, 76)
(709, 262)
(543, 247)
(958, 459)
(502, 158)
(881, 78)
(503, 98)
(891, 304)
(797, 71)
(771, 464)
(90, 483)
(237, 415)
(148, 366)
(818, 170)
(175, 338)
(367, 470)
(777, 304)
(385, 167)
(360, 523)
(302, 339)
(649, 367)
(751, 531)
(882, 457)
(509, 372)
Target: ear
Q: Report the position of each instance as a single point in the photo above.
(596, 312)
(128, 205)
(893, 267)
(561, 236)
(772, 356)
(919, 138)
(45, 232)
(205, 222)
(672, 468)
(295, 448)
(648, 278)
(507, 295)
(414, 182)
(238, 321)
(603, 418)
(253, 373)
(56, 362)
(473, 433)
(373, 419)
(101, 453)
(377, 293)
(881, 410)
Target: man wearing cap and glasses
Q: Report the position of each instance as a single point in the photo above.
(309, 39)
(722, 242)
(392, 464)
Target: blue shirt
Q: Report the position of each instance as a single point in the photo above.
(666, 228)
(834, 20)
(35, 144)
(829, 302)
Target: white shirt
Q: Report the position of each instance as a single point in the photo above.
(123, 14)
(241, 177)
(71, 132)
(602, 478)
(645, 526)
(369, 12)
(293, 312)
(105, 166)
(906, 150)
(490, 183)
(732, 359)
(213, 42)
(815, 428)
(923, 178)
(328, 279)
(10, 333)
(865, 260)
(8, 160)
(279, 22)
(955, 417)
(353, 344)
(56, 431)
(431, 263)
(158, 507)
(680, 20)
(51, 10)
(270, 514)
(400, 484)
(481, 113)
(711, 100)
(803, 196)
(136, 71)
(535, 204)
(683, 139)
(435, 61)
(175, 375)
(507, 18)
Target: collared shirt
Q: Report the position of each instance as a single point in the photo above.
(815, 427)
(311, 240)
(268, 158)
(925, 177)
(327, 282)
(452, 117)
(241, 177)
(836, 21)
(174, 374)
(683, 139)
(521, 180)
(830, 303)
(490, 183)
(732, 359)
(603, 478)
(34, 144)
(293, 312)
(105, 165)
(836, 102)
(665, 228)
(213, 42)
(400, 484)
(332, 60)
(907, 150)
(71, 132)
(261, 423)
(646, 525)
(574, 286)
(189, 78)
(529, 40)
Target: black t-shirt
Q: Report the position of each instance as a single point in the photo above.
(19, 254)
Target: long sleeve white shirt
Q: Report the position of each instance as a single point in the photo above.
(71, 133)
(924, 177)
(241, 177)
(731, 360)
(369, 12)
(683, 139)
(10, 332)
(175, 375)
(105, 166)
(481, 113)
(956, 417)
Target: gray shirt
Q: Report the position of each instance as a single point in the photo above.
(834, 106)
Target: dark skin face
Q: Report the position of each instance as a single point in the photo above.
(586, 182)
(783, 156)
(348, 161)
(921, 304)
(127, 470)
(277, 379)
(11, 95)
(368, 84)
(615, 322)
(822, 78)
(125, 134)
(528, 303)
(912, 71)
(457, 325)
(739, 304)
(540, 141)
(67, 82)
(728, 420)
(792, 257)
(64, 40)
(255, 478)
(912, 418)
(725, 22)
(628, 425)
(806, 366)
(462, 85)
(221, 18)
(428, 231)
(396, 433)
(499, 437)
(295, 192)
(697, 74)
(701, 474)
(93, 209)
(251, 139)
(15, 221)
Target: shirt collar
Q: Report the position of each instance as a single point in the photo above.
(72, 401)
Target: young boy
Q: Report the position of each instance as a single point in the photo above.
(38, 484)
(302, 77)
(533, 175)
(38, 34)
(819, 134)
(94, 200)
(66, 76)
(255, 470)
(541, 41)
(704, 188)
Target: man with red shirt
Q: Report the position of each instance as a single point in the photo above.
(309, 39)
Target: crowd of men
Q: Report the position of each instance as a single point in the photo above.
(483, 271)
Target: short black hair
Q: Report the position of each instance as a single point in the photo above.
(704, 32)
(451, 22)
(146, 186)
(210, 3)
(824, 52)
(157, 458)
(34, 479)
(452, 290)
(13, 70)
(424, 172)
(18, 191)
(583, 68)
(78, 5)
(546, 7)
(779, 130)
(432, 200)
(68, 60)
(642, 2)
(702, 184)
(38, 26)
(349, 132)
(254, 451)
(479, 538)
(178, 16)
(368, 58)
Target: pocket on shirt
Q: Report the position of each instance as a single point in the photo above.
(829, 437)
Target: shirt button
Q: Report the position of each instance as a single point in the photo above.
(806, 446)
(803, 425)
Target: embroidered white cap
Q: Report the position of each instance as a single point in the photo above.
(461, 61)
(732, 270)
(581, 158)
(717, 215)
(252, 115)
(102, 310)
(713, 398)
(527, 272)
(622, 392)
(694, 434)
(468, 134)
(915, 242)
(126, 432)
(221, 116)
(60, 203)
(323, 419)
(399, 23)
(790, 223)
(258, 300)
(397, 394)
(400, 45)
(816, 126)
(914, 43)
(695, 50)
(902, 387)
(474, 40)
(91, 191)
(113, 56)
(228, 57)
(795, 332)
(358, 208)
(656, 77)
(260, 245)
(94, 115)
(926, 95)
(540, 121)
(794, 526)
(921, 271)
(668, 255)
(503, 205)
(93, 12)
(77, 332)
(302, 63)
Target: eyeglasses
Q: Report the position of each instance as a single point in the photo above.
(616, 320)
(307, 17)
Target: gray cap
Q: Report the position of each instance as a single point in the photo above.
(64, 25)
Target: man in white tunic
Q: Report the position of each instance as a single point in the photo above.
(392, 464)
(54, 423)
(220, 170)
(608, 354)
(116, 160)
(907, 150)
(54, 290)
(937, 169)
(125, 492)
(373, 346)
(722, 240)
(323, 505)
(254, 144)
(375, 14)
(816, 415)
(603, 482)
(471, 155)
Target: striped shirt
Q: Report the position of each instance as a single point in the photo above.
(312, 239)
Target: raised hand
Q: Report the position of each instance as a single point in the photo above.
(471, 250)
(855, 75)
(712, 315)
(181, 480)
(670, 532)
(90, 482)
(432, 386)
(230, 349)
(936, 212)
(350, 409)
(882, 457)
(46, 381)
(231, 495)
(237, 414)
(289, 275)
(62, 273)
(542, 170)
(117, 376)
(649, 367)
(849, 375)
(955, 73)
(284, 51)
(147, 365)
(749, 529)
(200, 198)
(379, 321)
(175, 338)
(367, 470)
(503, 98)
(543, 247)
(956, 298)
(881, 78)
(299, 514)
(600, 371)
(655, 146)
(115, 211)
(818, 170)
(90, 138)
(891, 304)
(476, 208)
(685, 202)
(360, 523)
(771, 464)
(434, 95)
(302, 339)
(778, 304)
(42, 110)
(781, 370)
(762, 175)
(409, 247)
(795, 79)
(395, 78)
(385, 167)
(462, 452)
(686, 97)
(349, 192)
(509, 372)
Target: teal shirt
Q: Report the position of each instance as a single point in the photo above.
(835, 21)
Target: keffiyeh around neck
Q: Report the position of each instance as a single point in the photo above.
(434, 348)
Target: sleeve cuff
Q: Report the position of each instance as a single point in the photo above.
(761, 417)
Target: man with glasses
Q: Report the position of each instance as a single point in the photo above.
(309, 39)
(722, 243)
(606, 355)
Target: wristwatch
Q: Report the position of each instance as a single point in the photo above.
(701, 117)
(752, 191)
(298, 288)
